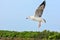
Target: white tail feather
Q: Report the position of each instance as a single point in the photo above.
(43, 20)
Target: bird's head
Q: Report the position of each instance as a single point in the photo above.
(28, 17)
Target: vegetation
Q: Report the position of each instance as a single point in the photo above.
(44, 35)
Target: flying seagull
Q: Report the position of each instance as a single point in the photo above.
(38, 14)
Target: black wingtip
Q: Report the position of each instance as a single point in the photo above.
(43, 3)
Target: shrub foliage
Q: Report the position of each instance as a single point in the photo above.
(30, 34)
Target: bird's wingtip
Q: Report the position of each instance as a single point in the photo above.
(44, 0)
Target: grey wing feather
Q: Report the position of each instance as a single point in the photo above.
(39, 11)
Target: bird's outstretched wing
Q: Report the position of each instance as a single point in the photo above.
(39, 10)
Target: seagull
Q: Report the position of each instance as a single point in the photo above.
(38, 13)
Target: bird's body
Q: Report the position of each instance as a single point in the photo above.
(38, 19)
(38, 13)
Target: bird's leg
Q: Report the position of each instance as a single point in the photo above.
(39, 24)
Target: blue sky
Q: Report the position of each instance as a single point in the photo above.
(13, 15)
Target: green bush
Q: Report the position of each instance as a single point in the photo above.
(42, 35)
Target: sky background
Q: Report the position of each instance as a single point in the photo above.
(13, 15)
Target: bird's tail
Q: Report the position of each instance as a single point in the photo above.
(42, 21)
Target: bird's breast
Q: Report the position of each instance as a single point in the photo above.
(37, 19)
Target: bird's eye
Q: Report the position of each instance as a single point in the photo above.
(26, 18)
